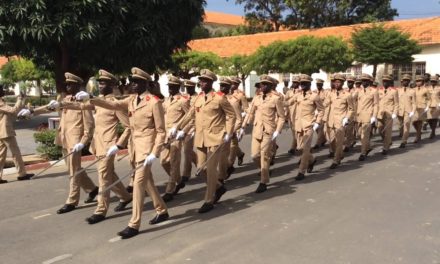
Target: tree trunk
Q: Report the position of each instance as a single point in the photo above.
(374, 71)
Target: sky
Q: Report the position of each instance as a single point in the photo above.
(407, 9)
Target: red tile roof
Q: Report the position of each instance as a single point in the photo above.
(426, 31)
(223, 19)
(3, 61)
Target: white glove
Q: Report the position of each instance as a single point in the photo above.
(240, 134)
(172, 132)
(275, 135)
(426, 109)
(112, 150)
(344, 121)
(80, 96)
(411, 114)
(149, 159)
(315, 126)
(226, 138)
(24, 112)
(373, 120)
(180, 135)
(243, 114)
(78, 147)
(393, 116)
(53, 104)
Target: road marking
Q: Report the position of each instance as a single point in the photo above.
(115, 239)
(58, 258)
(41, 216)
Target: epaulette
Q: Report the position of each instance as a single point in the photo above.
(220, 93)
(155, 97)
(185, 97)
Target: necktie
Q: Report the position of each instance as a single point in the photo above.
(264, 96)
(171, 98)
(138, 100)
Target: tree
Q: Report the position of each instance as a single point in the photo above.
(264, 11)
(82, 35)
(185, 62)
(376, 44)
(305, 54)
(237, 65)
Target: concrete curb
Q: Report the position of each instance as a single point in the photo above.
(42, 165)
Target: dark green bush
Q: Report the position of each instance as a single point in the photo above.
(46, 145)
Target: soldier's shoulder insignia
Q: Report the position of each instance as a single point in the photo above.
(155, 97)
(220, 93)
(147, 98)
(186, 97)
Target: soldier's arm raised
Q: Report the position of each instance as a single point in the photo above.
(121, 105)
(159, 124)
(12, 110)
(77, 105)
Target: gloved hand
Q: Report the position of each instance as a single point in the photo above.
(393, 116)
(78, 147)
(172, 132)
(344, 121)
(243, 114)
(426, 110)
(275, 135)
(24, 112)
(240, 134)
(226, 138)
(149, 159)
(53, 104)
(80, 96)
(373, 120)
(315, 126)
(112, 151)
(180, 135)
(411, 114)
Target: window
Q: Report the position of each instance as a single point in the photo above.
(413, 69)
(357, 70)
(420, 68)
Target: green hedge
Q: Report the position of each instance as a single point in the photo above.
(46, 145)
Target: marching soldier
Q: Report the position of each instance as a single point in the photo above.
(268, 113)
(340, 114)
(214, 125)
(236, 152)
(422, 106)
(175, 106)
(434, 106)
(306, 121)
(147, 125)
(320, 141)
(368, 107)
(407, 108)
(350, 129)
(7, 137)
(290, 111)
(388, 109)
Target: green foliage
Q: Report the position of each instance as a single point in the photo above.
(200, 32)
(376, 44)
(305, 54)
(46, 145)
(236, 65)
(184, 62)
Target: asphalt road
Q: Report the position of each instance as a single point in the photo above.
(383, 210)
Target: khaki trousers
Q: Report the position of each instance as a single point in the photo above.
(385, 126)
(189, 156)
(211, 169)
(170, 161)
(107, 176)
(81, 180)
(262, 151)
(404, 126)
(350, 134)
(321, 135)
(294, 144)
(336, 137)
(11, 143)
(365, 132)
(224, 164)
(143, 181)
(235, 151)
(305, 138)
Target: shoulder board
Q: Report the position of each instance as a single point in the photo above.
(220, 93)
(185, 97)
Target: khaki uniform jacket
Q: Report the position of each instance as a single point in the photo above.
(290, 105)
(175, 110)
(241, 97)
(323, 95)
(213, 118)
(368, 104)
(407, 100)
(340, 105)
(388, 102)
(308, 104)
(146, 121)
(268, 114)
(235, 103)
(423, 98)
(435, 96)
(8, 115)
(189, 128)
(354, 95)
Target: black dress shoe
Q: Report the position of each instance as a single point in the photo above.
(159, 218)
(346, 149)
(95, 218)
(219, 193)
(27, 176)
(262, 187)
(272, 160)
(185, 179)
(384, 152)
(229, 171)
(167, 197)
(311, 165)
(331, 155)
(315, 147)
(361, 157)
(129, 189)
(122, 206)
(206, 207)
(300, 177)
(240, 159)
(291, 152)
(334, 165)
(3, 181)
(128, 232)
(323, 143)
(66, 208)
(179, 186)
(368, 152)
(92, 196)
(402, 145)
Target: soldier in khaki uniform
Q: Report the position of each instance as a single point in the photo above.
(407, 108)
(147, 125)
(236, 152)
(320, 141)
(7, 137)
(306, 122)
(214, 125)
(340, 114)
(368, 108)
(388, 109)
(350, 129)
(434, 107)
(175, 106)
(268, 113)
(290, 111)
(423, 101)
